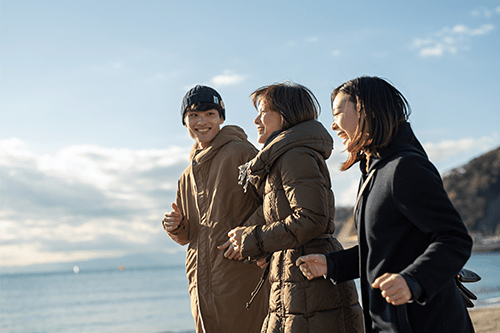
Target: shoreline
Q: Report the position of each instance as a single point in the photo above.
(485, 319)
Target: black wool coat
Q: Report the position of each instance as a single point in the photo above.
(407, 225)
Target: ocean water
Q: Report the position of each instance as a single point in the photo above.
(144, 300)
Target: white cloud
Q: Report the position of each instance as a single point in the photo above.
(84, 201)
(157, 77)
(312, 39)
(335, 53)
(87, 202)
(449, 40)
(486, 12)
(444, 150)
(227, 79)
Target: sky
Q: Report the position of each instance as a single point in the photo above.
(91, 138)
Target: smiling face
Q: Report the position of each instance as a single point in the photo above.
(345, 118)
(203, 126)
(267, 122)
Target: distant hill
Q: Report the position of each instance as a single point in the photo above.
(474, 189)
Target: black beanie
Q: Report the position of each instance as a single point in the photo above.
(202, 94)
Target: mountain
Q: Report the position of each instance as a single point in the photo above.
(474, 189)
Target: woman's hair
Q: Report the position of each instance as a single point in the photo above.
(294, 102)
(381, 109)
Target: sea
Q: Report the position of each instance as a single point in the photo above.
(141, 300)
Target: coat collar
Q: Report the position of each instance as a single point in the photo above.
(404, 140)
(311, 134)
(226, 134)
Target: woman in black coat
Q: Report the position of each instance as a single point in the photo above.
(412, 241)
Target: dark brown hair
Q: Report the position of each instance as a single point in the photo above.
(294, 102)
(381, 109)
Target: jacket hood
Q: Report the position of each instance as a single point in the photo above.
(308, 134)
(404, 140)
(225, 135)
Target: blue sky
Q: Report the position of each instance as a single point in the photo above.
(91, 138)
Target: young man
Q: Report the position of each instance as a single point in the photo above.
(209, 203)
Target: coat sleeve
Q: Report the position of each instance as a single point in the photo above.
(418, 193)
(307, 192)
(343, 265)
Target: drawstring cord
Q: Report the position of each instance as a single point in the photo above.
(262, 280)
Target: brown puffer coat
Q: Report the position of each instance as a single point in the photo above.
(213, 203)
(298, 209)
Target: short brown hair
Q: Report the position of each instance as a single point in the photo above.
(381, 109)
(294, 102)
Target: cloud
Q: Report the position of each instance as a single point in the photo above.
(312, 39)
(335, 53)
(84, 201)
(156, 77)
(446, 149)
(227, 79)
(486, 12)
(449, 40)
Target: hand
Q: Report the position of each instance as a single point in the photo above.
(312, 265)
(235, 237)
(172, 220)
(393, 288)
(262, 263)
(231, 253)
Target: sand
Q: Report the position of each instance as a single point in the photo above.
(486, 320)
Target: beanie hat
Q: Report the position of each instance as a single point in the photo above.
(202, 94)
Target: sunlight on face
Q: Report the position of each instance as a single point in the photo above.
(203, 126)
(267, 122)
(345, 118)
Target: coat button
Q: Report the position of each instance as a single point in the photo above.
(194, 163)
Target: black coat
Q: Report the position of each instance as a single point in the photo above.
(407, 224)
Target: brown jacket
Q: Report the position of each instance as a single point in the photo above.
(298, 209)
(213, 203)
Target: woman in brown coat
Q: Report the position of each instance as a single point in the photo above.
(298, 209)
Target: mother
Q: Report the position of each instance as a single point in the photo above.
(298, 209)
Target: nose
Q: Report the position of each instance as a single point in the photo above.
(256, 121)
(335, 126)
(201, 119)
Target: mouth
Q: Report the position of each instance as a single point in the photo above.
(260, 129)
(342, 135)
(203, 130)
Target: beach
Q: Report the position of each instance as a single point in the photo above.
(486, 320)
